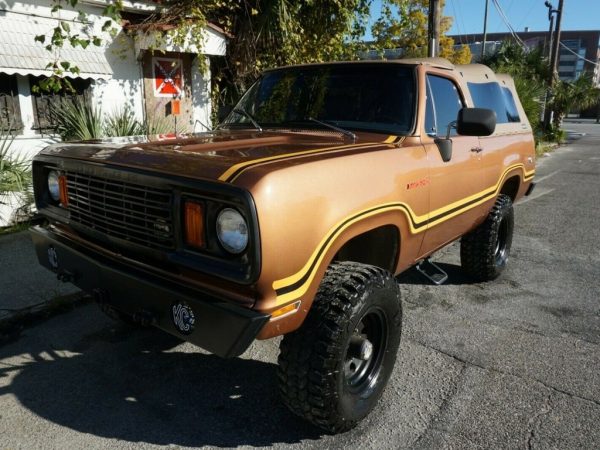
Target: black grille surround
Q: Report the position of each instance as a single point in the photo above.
(125, 210)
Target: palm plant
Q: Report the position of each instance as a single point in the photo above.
(161, 125)
(571, 95)
(531, 93)
(15, 172)
(123, 123)
(77, 119)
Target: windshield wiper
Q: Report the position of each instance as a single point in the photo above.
(247, 115)
(348, 133)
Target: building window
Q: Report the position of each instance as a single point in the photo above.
(45, 103)
(10, 112)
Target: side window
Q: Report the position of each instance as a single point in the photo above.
(493, 96)
(446, 103)
(511, 106)
(430, 127)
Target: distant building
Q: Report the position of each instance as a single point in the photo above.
(582, 44)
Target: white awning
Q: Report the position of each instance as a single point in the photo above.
(20, 54)
(214, 40)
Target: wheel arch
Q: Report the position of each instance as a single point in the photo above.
(392, 226)
(511, 186)
(379, 247)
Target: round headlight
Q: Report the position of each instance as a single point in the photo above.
(53, 186)
(232, 230)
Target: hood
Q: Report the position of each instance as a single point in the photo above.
(214, 155)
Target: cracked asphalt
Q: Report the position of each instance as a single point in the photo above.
(514, 363)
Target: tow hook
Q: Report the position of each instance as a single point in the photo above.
(144, 317)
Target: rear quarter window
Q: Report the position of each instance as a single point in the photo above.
(493, 96)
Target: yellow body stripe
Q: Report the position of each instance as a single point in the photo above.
(336, 230)
(236, 167)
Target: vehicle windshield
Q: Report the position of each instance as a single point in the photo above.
(364, 97)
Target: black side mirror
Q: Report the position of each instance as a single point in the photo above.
(223, 112)
(476, 122)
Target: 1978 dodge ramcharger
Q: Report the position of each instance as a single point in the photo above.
(293, 216)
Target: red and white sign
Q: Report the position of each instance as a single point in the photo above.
(168, 77)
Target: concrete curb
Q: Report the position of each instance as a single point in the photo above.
(26, 288)
(12, 324)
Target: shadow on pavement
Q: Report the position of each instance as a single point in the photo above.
(456, 276)
(138, 387)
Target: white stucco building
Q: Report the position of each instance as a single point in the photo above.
(122, 71)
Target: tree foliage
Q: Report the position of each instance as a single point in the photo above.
(15, 171)
(403, 24)
(265, 33)
(576, 95)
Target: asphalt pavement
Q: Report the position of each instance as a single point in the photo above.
(25, 286)
(513, 363)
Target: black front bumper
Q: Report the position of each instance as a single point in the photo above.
(218, 326)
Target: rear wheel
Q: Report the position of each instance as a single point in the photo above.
(332, 371)
(484, 251)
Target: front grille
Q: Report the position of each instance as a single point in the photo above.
(128, 211)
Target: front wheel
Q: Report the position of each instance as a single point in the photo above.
(332, 371)
(484, 251)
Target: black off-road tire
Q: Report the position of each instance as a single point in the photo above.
(319, 378)
(484, 251)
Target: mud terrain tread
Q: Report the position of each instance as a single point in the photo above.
(308, 355)
(477, 248)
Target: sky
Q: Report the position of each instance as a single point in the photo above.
(468, 15)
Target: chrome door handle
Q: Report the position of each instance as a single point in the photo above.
(477, 149)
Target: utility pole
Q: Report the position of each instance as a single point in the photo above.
(554, 57)
(433, 29)
(551, 12)
(487, 2)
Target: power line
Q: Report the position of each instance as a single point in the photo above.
(526, 16)
(457, 22)
(462, 19)
(578, 55)
(507, 23)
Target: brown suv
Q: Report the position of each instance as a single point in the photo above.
(293, 217)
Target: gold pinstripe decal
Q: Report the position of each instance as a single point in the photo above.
(414, 221)
(236, 170)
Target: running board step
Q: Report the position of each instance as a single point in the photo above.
(432, 272)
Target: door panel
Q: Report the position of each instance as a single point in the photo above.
(454, 185)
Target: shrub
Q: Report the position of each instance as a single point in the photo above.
(15, 172)
(78, 120)
(123, 123)
(160, 125)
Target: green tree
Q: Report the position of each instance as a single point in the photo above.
(404, 24)
(15, 171)
(266, 33)
(569, 96)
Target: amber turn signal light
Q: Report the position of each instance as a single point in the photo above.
(286, 310)
(194, 224)
(64, 194)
